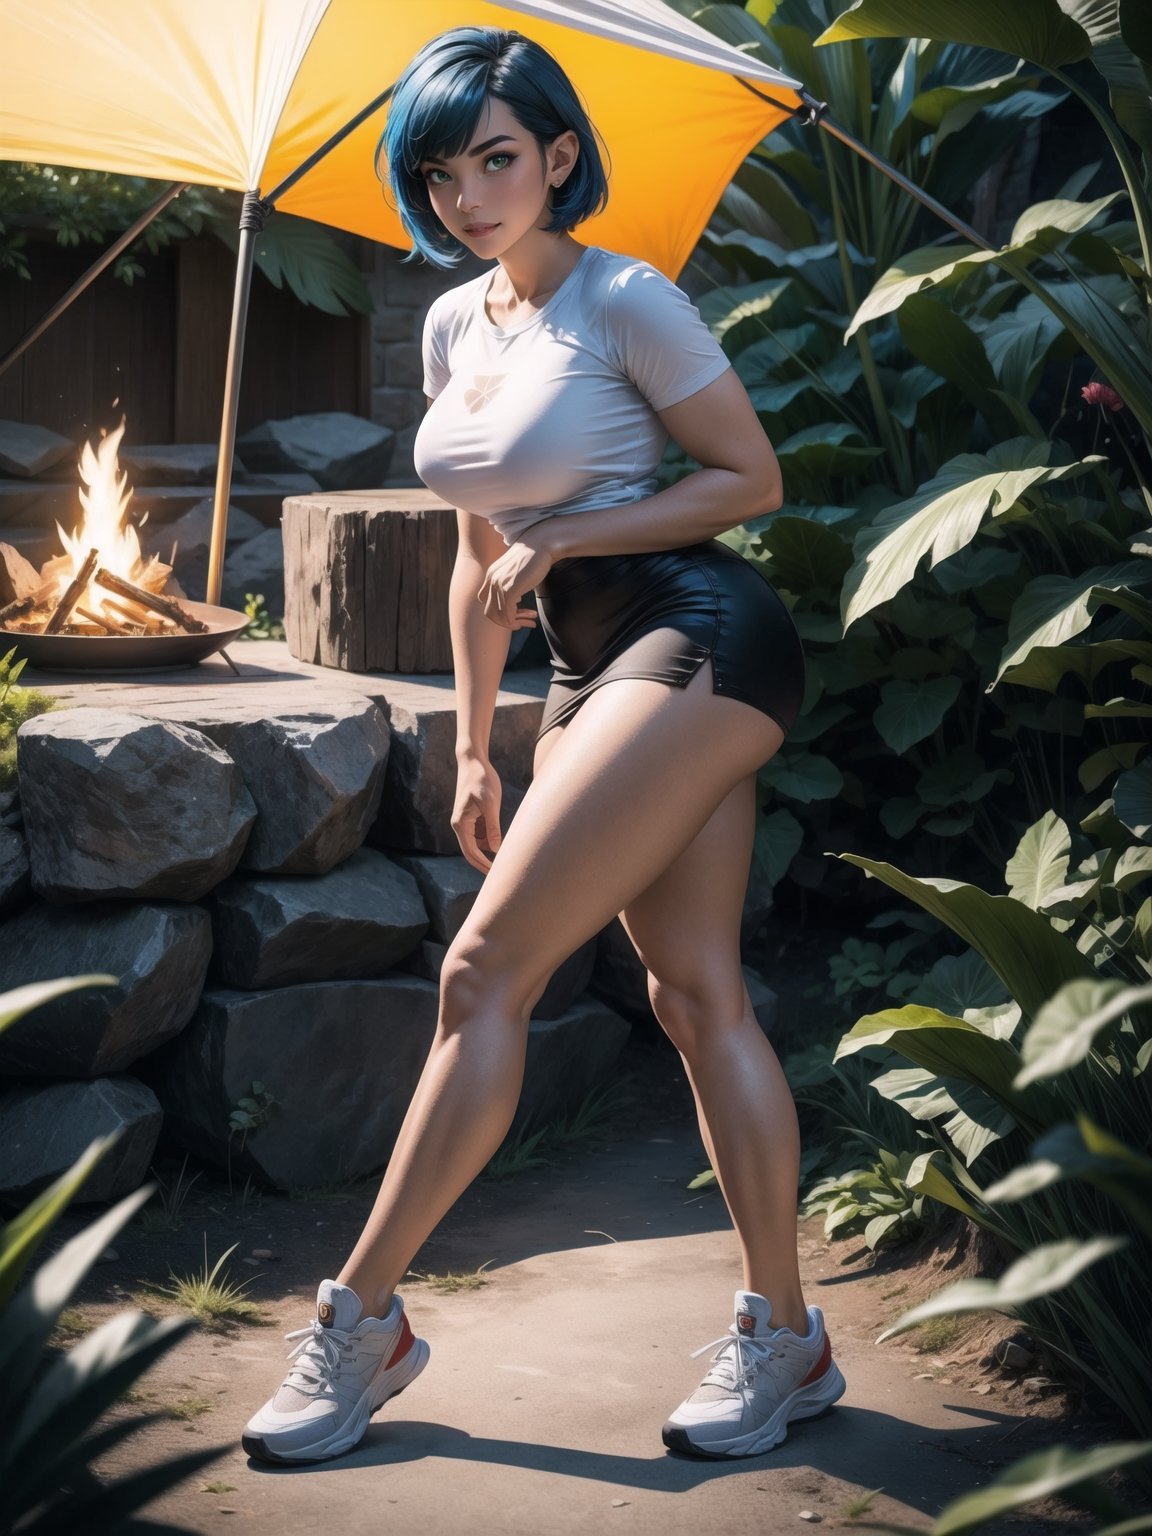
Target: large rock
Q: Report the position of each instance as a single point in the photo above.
(26, 450)
(419, 791)
(568, 1057)
(337, 1063)
(256, 566)
(337, 1060)
(342, 451)
(15, 884)
(159, 951)
(448, 885)
(191, 533)
(175, 463)
(357, 921)
(117, 804)
(315, 775)
(44, 1129)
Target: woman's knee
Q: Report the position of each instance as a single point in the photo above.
(478, 980)
(694, 1005)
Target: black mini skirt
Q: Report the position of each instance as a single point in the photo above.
(661, 615)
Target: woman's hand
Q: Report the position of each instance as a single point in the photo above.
(476, 813)
(521, 567)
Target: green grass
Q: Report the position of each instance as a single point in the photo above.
(212, 1301)
(189, 1407)
(860, 1505)
(453, 1280)
(166, 1214)
(937, 1333)
(71, 1324)
(217, 1488)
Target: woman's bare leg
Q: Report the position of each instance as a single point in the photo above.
(686, 929)
(630, 783)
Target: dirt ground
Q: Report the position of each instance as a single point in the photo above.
(555, 1251)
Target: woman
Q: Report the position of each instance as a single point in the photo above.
(554, 381)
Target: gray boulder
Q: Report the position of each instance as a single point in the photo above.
(174, 463)
(343, 452)
(337, 1061)
(117, 804)
(158, 950)
(256, 566)
(419, 791)
(15, 884)
(357, 921)
(45, 1127)
(26, 450)
(315, 776)
(448, 885)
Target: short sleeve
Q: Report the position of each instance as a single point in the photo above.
(660, 341)
(436, 369)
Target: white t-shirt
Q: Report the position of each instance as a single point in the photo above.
(557, 413)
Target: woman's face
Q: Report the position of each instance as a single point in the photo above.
(490, 196)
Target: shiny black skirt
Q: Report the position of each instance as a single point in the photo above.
(661, 615)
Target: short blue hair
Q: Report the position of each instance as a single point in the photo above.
(436, 105)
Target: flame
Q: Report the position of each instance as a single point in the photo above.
(104, 526)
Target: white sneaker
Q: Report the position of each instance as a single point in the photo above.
(347, 1366)
(759, 1380)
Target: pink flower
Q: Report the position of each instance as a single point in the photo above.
(1102, 394)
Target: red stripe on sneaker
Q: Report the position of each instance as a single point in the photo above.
(821, 1365)
(403, 1343)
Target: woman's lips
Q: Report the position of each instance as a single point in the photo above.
(479, 229)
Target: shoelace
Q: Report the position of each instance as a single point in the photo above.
(319, 1349)
(751, 1354)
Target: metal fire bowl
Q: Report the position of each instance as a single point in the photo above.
(129, 653)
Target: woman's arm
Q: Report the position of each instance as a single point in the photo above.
(479, 652)
(739, 479)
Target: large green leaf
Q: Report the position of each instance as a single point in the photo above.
(1040, 863)
(1065, 1029)
(909, 711)
(1044, 666)
(1060, 1470)
(1083, 1151)
(1054, 609)
(1039, 228)
(805, 553)
(944, 516)
(1042, 1270)
(1025, 951)
(296, 253)
(952, 1048)
(1133, 800)
(1039, 31)
(778, 839)
(803, 776)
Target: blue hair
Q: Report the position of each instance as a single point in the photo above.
(436, 105)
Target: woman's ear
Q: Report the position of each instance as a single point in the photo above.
(563, 153)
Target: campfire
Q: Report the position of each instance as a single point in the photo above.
(103, 602)
(102, 584)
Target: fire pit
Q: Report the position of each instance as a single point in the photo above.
(102, 604)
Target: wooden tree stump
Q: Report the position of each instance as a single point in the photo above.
(366, 578)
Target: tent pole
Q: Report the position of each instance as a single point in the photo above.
(92, 274)
(252, 218)
(910, 187)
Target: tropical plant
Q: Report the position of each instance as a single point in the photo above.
(16, 705)
(83, 206)
(48, 1407)
(939, 492)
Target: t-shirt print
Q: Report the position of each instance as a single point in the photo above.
(485, 388)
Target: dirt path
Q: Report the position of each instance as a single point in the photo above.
(541, 1409)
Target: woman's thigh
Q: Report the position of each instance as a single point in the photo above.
(632, 780)
(686, 926)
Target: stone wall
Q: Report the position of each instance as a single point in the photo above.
(265, 869)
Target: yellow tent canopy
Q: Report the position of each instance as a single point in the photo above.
(238, 93)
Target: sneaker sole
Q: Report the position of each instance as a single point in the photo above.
(812, 1403)
(352, 1431)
